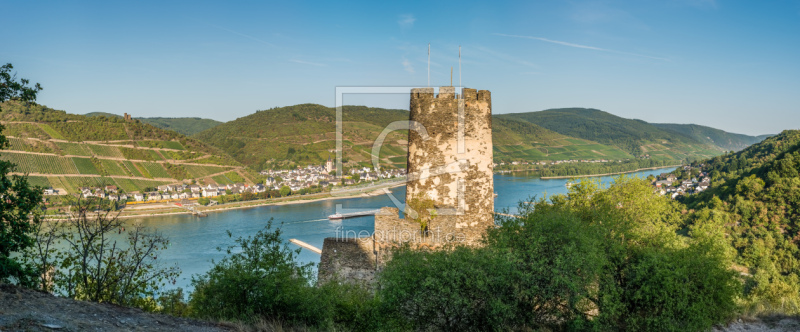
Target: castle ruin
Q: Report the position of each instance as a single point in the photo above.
(449, 181)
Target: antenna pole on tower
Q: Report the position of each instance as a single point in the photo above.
(459, 65)
(429, 64)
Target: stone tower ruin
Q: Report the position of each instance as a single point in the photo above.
(449, 169)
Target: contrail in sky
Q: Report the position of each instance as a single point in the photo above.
(563, 43)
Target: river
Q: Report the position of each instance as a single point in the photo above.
(193, 240)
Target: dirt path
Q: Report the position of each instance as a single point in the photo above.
(27, 310)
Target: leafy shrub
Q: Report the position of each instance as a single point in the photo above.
(258, 278)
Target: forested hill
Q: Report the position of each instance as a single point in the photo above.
(755, 196)
(636, 137)
(68, 151)
(184, 126)
(723, 139)
(305, 134)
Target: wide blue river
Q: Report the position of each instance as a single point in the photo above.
(193, 240)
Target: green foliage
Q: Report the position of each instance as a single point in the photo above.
(20, 201)
(258, 278)
(97, 257)
(185, 126)
(755, 199)
(708, 135)
(421, 210)
(629, 135)
(285, 191)
(595, 259)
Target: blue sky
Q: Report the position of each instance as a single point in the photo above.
(732, 65)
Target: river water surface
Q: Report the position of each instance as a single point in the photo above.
(193, 240)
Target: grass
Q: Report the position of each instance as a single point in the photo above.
(85, 166)
(50, 131)
(34, 163)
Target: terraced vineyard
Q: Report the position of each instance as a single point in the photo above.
(131, 168)
(50, 131)
(36, 163)
(131, 185)
(196, 171)
(155, 170)
(40, 181)
(85, 166)
(112, 167)
(105, 151)
(73, 149)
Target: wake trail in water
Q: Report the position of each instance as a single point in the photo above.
(304, 221)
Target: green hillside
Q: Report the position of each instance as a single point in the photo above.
(515, 140)
(636, 137)
(184, 126)
(68, 151)
(305, 134)
(708, 135)
(755, 198)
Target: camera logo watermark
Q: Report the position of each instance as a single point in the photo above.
(455, 167)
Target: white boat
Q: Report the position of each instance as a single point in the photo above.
(338, 215)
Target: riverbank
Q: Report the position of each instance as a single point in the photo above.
(607, 174)
(159, 210)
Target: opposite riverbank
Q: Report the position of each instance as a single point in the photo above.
(161, 209)
(607, 174)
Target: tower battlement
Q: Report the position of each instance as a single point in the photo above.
(450, 167)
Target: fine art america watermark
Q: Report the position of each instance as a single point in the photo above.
(401, 235)
(424, 173)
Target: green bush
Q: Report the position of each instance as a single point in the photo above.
(460, 289)
(258, 278)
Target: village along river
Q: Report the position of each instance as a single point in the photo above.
(193, 240)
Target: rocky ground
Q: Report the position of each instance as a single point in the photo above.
(763, 324)
(28, 310)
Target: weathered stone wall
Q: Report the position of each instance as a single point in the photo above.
(348, 259)
(451, 166)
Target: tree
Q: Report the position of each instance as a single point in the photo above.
(285, 191)
(94, 256)
(19, 200)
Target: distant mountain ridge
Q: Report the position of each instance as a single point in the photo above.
(305, 134)
(637, 137)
